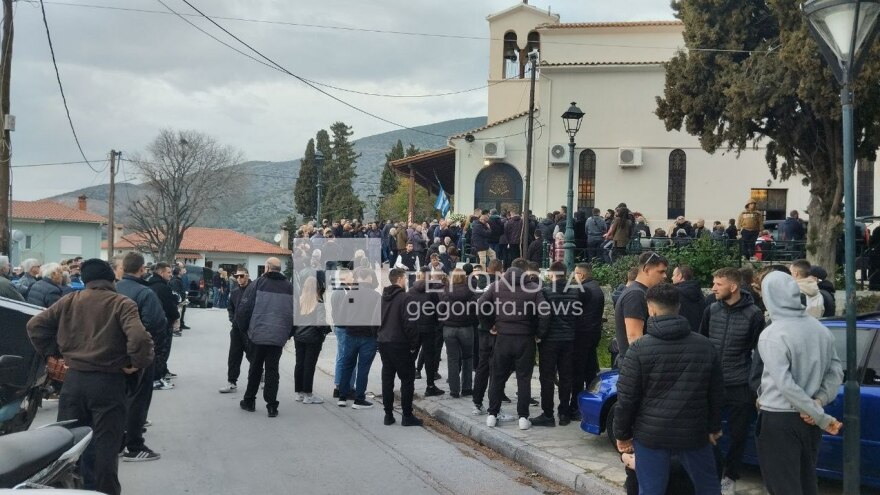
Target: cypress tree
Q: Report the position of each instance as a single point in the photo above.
(305, 194)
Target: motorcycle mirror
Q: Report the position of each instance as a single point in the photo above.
(8, 362)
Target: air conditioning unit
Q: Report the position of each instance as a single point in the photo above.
(629, 157)
(494, 150)
(559, 155)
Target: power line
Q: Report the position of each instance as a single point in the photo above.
(52, 164)
(61, 89)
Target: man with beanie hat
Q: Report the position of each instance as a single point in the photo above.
(802, 373)
(100, 335)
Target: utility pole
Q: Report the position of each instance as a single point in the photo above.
(524, 240)
(111, 223)
(5, 153)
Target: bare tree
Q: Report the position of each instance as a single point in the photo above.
(187, 174)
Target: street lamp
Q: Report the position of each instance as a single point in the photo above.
(319, 163)
(845, 31)
(572, 120)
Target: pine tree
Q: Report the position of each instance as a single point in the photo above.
(412, 150)
(340, 200)
(389, 182)
(305, 193)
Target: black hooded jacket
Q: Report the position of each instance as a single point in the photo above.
(693, 303)
(670, 389)
(734, 331)
(565, 310)
(397, 326)
(422, 307)
(460, 308)
(513, 306)
(166, 297)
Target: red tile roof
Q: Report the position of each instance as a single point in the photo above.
(580, 25)
(205, 240)
(492, 124)
(50, 210)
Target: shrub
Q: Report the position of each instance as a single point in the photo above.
(614, 274)
(704, 256)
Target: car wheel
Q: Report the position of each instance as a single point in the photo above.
(609, 425)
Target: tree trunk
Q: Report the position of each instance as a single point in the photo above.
(826, 225)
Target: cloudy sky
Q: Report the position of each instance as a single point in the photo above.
(128, 73)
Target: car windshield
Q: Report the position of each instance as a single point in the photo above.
(863, 341)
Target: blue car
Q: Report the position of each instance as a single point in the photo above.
(597, 404)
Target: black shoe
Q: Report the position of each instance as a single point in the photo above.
(184, 327)
(141, 455)
(564, 420)
(534, 402)
(273, 410)
(575, 416)
(362, 404)
(177, 333)
(248, 405)
(437, 376)
(335, 393)
(418, 375)
(543, 420)
(389, 420)
(454, 395)
(169, 374)
(467, 392)
(410, 421)
(433, 392)
(505, 398)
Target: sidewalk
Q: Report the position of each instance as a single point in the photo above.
(567, 455)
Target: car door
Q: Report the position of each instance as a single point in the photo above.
(830, 462)
(870, 411)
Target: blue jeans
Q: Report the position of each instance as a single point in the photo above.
(341, 337)
(652, 469)
(359, 351)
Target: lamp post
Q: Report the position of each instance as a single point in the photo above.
(572, 120)
(845, 31)
(319, 164)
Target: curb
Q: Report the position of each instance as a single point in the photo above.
(547, 465)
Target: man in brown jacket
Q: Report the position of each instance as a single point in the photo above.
(100, 335)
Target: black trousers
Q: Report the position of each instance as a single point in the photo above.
(306, 361)
(788, 450)
(483, 367)
(477, 334)
(584, 364)
(555, 359)
(182, 314)
(97, 400)
(162, 347)
(428, 354)
(748, 238)
(239, 346)
(512, 352)
(268, 356)
(510, 254)
(140, 395)
(397, 360)
(739, 406)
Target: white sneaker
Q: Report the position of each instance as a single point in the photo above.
(491, 421)
(229, 388)
(504, 418)
(728, 486)
(478, 411)
(300, 397)
(524, 423)
(341, 402)
(313, 399)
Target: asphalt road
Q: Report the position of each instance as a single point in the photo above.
(210, 446)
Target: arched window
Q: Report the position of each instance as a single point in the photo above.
(511, 60)
(865, 189)
(534, 43)
(587, 181)
(677, 184)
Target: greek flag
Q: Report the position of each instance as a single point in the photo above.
(442, 202)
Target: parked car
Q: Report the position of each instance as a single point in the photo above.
(597, 404)
(200, 284)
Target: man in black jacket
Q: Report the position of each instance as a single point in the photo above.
(238, 341)
(480, 234)
(693, 302)
(557, 345)
(398, 340)
(514, 313)
(131, 284)
(733, 324)
(159, 284)
(513, 234)
(588, 333)
(669, 397)
(424, 303)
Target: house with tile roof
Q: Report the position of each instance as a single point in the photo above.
(214, 248)
(52, 231)
(623, 153)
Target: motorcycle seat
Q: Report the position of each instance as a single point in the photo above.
(24, 454)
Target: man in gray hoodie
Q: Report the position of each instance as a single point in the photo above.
(801, 375)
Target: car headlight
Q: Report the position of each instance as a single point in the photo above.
(593, 388)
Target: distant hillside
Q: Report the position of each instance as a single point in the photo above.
(260, 207)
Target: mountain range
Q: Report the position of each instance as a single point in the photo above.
(264, 202)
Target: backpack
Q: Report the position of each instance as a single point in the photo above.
(596, 227)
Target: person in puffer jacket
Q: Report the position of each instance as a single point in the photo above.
(427, 325)
(693, 302)
(669, 397)
(46, 291)
(266, 315)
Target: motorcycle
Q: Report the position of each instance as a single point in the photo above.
(23, 376)
(46, 457)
